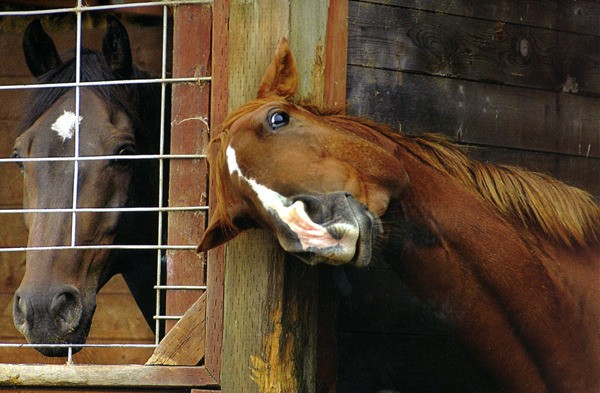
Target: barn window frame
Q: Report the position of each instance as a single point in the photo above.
(197, 87)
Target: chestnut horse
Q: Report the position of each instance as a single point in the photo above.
(511, 258)
(56, 299)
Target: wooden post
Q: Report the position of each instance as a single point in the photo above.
(270, 298)
(189, 135)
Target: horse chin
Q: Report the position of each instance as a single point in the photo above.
(333, 229)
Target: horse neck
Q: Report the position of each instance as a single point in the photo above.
(458, 253)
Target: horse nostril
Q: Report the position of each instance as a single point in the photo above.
(66, 309)
(313, 207)
(20, 313)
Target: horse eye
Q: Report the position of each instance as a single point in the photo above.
(127, 151)
(20, 164)
(278, 119)
(124, 151)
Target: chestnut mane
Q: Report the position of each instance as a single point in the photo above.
(536, 201)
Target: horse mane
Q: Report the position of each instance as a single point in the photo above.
(538, 202)
(534, 200)
(93, 68)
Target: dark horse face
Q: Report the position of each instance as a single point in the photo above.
(318, 187)
(57, 297)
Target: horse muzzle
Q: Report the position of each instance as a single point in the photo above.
(329, 228)
(52, 316)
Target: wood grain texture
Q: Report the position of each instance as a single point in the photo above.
(104, 390)
(184, 344)
(579, 16)
(266, 346)
(417, 41)
(104, 376)
(470, 112)
(215, 259)
(189, 135)
(336, 55)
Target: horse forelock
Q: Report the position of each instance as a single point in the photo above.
(93, 68)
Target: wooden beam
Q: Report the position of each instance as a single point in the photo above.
(184, 344)
(270, 300)
(192, 26)
(129, 376)
(218, 111)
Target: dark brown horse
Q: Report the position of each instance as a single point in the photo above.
(510, 257)
(57, 297)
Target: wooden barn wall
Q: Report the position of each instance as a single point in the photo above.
(518, 80)
(515, 82)
(123, 324)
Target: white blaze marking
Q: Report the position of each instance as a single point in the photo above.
(269, 198)
(310, 234)
(65, 125)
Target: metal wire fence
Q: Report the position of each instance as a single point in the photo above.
(162, 158)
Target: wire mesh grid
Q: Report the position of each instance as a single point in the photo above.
(163, 157)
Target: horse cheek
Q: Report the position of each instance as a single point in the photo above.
(378, 199)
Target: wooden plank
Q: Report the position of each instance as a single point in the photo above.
(407, 40)
(184, 344)
(266, 347)
(336, 55)
(106, 390)
(90, 356)
(252, 309)
(215, 276)
(579, 16)
(189, 135)
(125, 376)
(311, 68)
(478, 113)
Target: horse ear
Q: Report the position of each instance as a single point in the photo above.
(216, 234)
(281, 77)
(40, 53)
(116, 48)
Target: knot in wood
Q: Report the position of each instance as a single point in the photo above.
(524, 48)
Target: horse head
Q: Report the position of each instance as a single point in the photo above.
(319, 188)
(56, 299)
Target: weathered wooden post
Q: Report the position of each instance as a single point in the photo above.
(270, 299)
